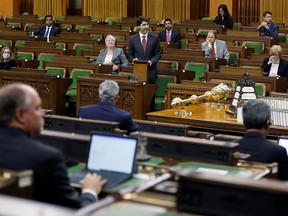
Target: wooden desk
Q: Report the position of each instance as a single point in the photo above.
(52, 90)
(205, 118)
(134, 97)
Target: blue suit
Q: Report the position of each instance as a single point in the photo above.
(272, 31)
(107, 111)
(41, 31)
(174, 37)
(153, 53)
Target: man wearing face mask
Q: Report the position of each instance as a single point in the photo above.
(7, 61)
(275, 65)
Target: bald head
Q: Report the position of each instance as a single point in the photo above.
(20, 107)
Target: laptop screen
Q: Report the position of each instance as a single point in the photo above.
(283, 141)
(112, 153)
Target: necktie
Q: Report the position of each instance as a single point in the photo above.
(144, 43)
(47, 32)
(168, 36)
(213, 51)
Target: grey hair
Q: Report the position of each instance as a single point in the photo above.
(256, 113)
(12, 97)
(108, 90)
(109, 37)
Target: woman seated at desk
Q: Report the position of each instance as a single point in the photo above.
(275, 65)
(7, 61)
(112, 55)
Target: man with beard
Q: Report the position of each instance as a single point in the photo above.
(169, 35)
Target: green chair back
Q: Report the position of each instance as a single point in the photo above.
(60, 45)
(236, 26)
(71, 94)
(208, 18)
(14, 25)
(81, 28)
(282, 37)
(161, 83)
(199, 68)
(258, 46)
(66, 26)
(56, 71)
(96, 36)
(260, 89)
(119, 37)
(203, 32)
(78, 47)
(20, 43)
(5, 43)
(183, 43)
(25, 55)
(111, 20)
(44, 57)
(233, 59)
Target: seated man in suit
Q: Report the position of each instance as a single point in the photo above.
(21, 118)
(257, 120)
(215, 48)
(169, 35)
(267, 28)
(106, 109)
(275, 65)
(48, 29)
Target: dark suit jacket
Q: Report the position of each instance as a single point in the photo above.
(282, 69)
(272, 31)
(107, 111)
(175, 37)
(118, 58)
(51, 182)
(7, 65)
(153, 53)
(265, 151)
(41, 31)
(227, 22)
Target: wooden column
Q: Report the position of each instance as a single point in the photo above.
(11, 7)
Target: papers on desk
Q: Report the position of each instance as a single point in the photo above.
(212, 171)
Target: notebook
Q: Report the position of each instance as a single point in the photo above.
(111, 156)
(283, 141)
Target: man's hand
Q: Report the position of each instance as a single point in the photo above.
(93, 182)
(115, 67)
(150, 63)
(135, 59)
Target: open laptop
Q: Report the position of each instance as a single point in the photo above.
(283, 141)
(111, 156)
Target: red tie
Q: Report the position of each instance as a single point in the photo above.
(213, 51)
(168, 36)
(144, 43)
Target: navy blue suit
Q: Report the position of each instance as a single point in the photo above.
(282, 69)
(265, 151)
(51, 182)
(107, 111)
(153, 53)
(272, 31)
(53, 32)
(174, 37)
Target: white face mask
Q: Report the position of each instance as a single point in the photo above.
(6, 55)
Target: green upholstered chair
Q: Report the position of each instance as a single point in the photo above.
(20, 43)
(160, 94)
(260, 89)
(183, 43)
(96, 36)
(208, 18)
(96, 19)
(203, 32)
(14, 24)
(199, 68)
(56, 71)
(258, 46)
(5, 43)
(25, 55)
(282, 37)
(236, 26)
(233, 59)
(110, 20)
(71, 95)
(60, 45)
(56, 18)
(81, 28)
(45, 57)
(66, 26)
(79, 46)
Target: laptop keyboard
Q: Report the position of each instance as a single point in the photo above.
(112, 178)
